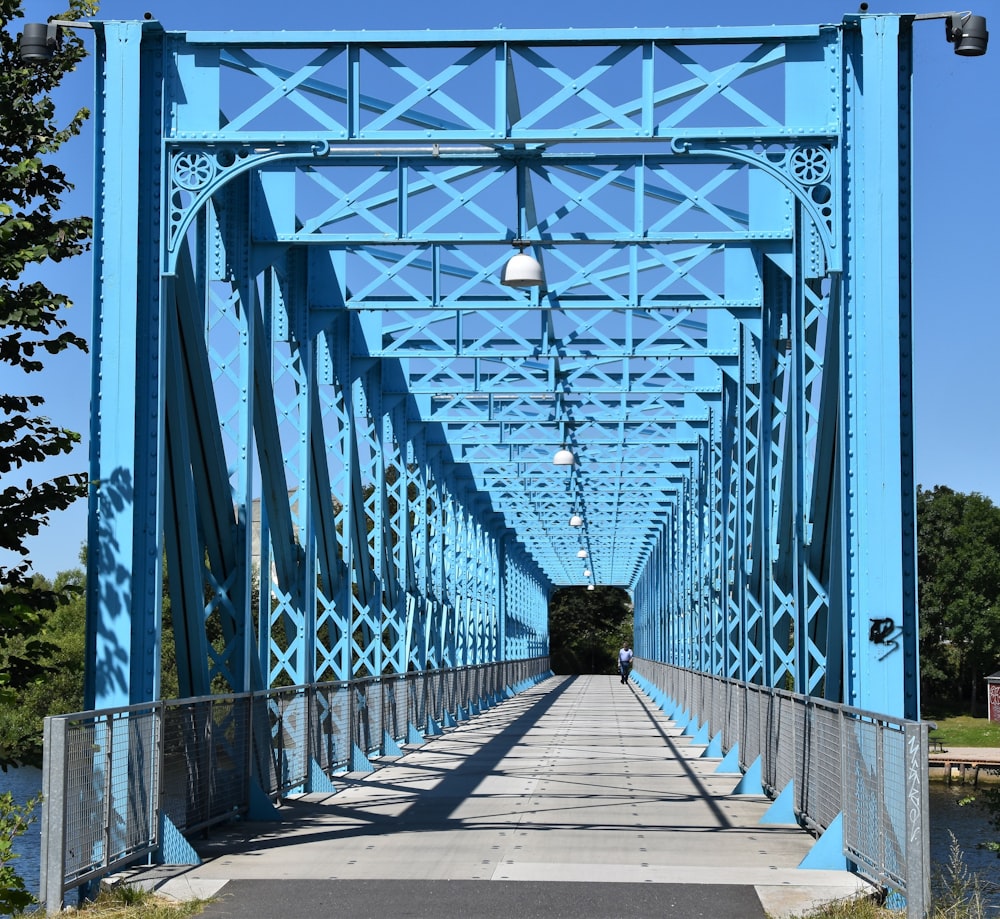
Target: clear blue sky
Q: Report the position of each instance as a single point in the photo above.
(956, 200)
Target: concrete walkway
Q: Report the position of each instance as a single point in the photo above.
(576, 798)
(968, 755)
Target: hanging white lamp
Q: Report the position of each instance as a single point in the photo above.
(564, 457)
(582, 553)
(522, 270)
(590, 587)
(586, 572)
(576, 521)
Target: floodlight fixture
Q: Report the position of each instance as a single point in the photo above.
(966, 31)
(522, 270)
(39, 41)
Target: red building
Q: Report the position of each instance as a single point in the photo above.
(993, 696)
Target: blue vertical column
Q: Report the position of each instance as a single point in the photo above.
(435, 571)
(125, 514)
(877, 497)
(369, 522)
(341, 446)
(449, 654)
(396, 527)
(748, 531)
(732, 574)
(418, 581)
(502, 595)
(301, 358)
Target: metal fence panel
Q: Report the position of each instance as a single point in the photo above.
(416, 700)
(108, 775)
(288, 710)
(449, 700)
(394, 708)
(108, 787)
(784, 740)
(264, 756)
(753, 727)
(86, 780)
(869, 768)
(435, 695)
(186, 764)
(824, 779)
(366, 712)
(733, 731)
(331, 726)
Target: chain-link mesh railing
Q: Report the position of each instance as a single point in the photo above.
(102, 778)
(869, 769)
(110, 777)
(206, 760)
(393, 708)
(416, 690)
(331, 726)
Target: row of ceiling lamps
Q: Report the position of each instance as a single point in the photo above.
(522, 270)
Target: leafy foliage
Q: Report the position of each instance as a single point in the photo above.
(14, 821)
(32, 327)
(63, 637)
(958, 551)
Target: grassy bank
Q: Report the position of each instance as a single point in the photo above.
(132, 903)
(965, 731)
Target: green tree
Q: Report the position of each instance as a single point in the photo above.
(32, 327)
(958, 562)
(587, 627)
(14, 821)
(63, 636)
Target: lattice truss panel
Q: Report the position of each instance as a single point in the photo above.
(360, 418)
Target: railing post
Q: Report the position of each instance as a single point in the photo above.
(109, 765)
(252, 767)
(53, 851)
(918, 840)
(159, 745)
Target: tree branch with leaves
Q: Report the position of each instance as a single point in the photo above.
(33, 327)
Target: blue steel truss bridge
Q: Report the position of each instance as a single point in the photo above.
(318, 397)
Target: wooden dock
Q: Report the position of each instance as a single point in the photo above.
(962, 765)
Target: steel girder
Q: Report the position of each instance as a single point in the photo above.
(313, 394)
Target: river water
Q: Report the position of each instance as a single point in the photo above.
(969, 824)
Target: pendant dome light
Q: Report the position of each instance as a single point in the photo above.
(563, 457)
(582, 553)
(576, 521)
(522, 270)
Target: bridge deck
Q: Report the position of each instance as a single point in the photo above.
(579, 793)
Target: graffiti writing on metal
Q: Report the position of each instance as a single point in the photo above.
(914, 796)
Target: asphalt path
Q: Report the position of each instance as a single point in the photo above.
(481, 899)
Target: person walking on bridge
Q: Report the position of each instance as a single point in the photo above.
(625, 662)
